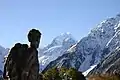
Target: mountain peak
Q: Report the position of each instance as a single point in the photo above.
(66, 33)
(118, 15)
(56, 48)
(61, 38)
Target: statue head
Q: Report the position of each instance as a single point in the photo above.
(34, 38)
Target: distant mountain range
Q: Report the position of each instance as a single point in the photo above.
(92, 49)
(98, 51)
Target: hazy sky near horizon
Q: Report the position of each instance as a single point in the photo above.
(51, 17)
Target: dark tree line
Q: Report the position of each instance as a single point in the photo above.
(62, 74)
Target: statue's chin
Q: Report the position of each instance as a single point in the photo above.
(34, 46)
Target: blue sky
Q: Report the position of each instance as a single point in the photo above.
(51, 17)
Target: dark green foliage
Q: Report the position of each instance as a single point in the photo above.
(63, 74)
(73, 74)
(52, 74)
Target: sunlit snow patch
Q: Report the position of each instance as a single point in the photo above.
(87, 71)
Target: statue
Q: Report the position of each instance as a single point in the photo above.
(22, 62)
(32, 66)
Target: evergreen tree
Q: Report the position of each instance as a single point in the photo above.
(52, 74)
(73, 74)
(62, 72)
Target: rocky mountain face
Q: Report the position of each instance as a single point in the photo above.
(3, 52)
(110, 65)
(93, 48)
(58, 46)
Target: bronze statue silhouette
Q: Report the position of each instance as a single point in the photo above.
(22, 62)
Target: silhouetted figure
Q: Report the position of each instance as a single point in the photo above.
(31, 71)
(22, 62)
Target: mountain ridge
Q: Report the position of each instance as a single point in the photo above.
(91, 49)
(58, 46)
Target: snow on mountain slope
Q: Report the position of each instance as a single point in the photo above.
(110, 65)
(3, 52)
(91, 49)
(87, 71)
(59, 45)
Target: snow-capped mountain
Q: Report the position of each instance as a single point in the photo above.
(58, 46)
(110, 65)
(91, 49)
(3, 52)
